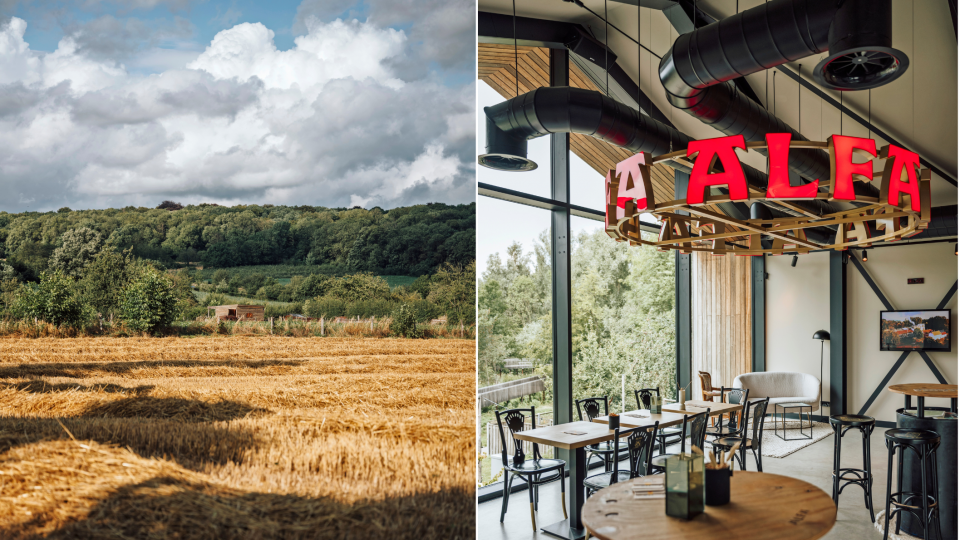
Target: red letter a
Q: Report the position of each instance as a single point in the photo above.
(707, 153)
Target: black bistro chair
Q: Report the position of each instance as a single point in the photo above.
(698, 435)
(640, 443)
(754, 442)
(668, 435)
(531, 470)
(737, 422)
(591, 406)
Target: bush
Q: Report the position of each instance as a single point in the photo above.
(54, 300)
(325, 306)
(149, 302)
(405, 323)
(370, 308)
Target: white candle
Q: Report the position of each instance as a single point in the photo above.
(623, 393)
(683, 397)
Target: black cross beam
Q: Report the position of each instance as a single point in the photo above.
(899, 362)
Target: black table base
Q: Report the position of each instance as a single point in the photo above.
(572, 528)
(947, 471)
(561, 529)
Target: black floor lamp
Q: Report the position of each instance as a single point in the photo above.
(822, 335)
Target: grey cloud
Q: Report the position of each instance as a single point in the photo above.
(108, 37)
(201, 95)
(15, 98)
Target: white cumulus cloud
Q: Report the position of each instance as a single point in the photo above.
(327, 122)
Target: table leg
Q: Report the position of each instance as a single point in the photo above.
(953, 405)
(906, 402)
(572, 527)
(920, 406)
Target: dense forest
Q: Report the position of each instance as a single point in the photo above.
(410, 241)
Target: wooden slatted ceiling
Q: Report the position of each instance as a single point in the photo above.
(496, 68)
(720, 312)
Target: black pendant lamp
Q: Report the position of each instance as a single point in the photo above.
(822, 335)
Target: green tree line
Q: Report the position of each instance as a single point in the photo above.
(411, 241)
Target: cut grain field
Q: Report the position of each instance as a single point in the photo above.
(236, 437)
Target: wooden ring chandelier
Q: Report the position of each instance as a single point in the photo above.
(901, 210)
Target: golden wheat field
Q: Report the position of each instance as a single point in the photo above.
(236, 437)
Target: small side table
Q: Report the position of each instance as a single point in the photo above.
(783, 419)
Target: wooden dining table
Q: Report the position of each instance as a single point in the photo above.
(576, 436)
(763, 506)
(925, 390)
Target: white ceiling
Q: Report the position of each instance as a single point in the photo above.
(919, 109)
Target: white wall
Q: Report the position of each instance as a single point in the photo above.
(798, 304)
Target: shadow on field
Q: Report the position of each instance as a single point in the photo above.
(166, 507)
(173, 408)
(40, 386)
(99, 369)
(189, 444)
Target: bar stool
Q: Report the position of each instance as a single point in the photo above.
(843, 477)
(924, 443)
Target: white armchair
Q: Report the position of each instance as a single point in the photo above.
(782, 387)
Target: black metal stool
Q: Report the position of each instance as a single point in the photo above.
(924, 443)
(841, 424)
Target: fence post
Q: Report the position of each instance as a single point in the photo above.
(321, 326)
(371, 324)
(271, 325)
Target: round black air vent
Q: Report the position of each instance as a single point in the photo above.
(506, 162)
(861, 68)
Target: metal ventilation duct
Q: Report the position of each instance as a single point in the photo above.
(696, 70)
(860, 53)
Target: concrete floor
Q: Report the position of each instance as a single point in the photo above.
(812, 464)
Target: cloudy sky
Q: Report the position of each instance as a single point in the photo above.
(130, 102)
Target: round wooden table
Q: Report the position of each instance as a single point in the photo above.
(922, 390)
(762, 506)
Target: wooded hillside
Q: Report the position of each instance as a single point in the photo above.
(410, 241)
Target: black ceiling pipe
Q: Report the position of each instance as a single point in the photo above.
(696, 70)
(564, 109)
(861, 56)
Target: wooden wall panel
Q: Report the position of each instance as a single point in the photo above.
(720, 309)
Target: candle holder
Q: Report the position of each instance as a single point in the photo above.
(684, 485)
(717, 485)
(613, 421)
(656, 404)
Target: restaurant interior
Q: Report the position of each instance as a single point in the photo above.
(792, 166)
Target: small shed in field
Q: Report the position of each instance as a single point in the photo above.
(238, 312)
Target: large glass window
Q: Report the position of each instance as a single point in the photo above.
(622, 317)
(622, 297)
(514, 321)
(514, 338)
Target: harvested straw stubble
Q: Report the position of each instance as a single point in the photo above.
(329, 439)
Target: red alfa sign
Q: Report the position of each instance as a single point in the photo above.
(904, 187)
